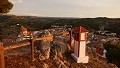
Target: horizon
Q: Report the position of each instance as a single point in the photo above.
(59, 17)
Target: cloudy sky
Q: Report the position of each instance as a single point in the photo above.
(67, 8)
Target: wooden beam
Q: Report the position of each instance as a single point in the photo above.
(44, 38)
(32, 49)
(2, 62)
(26, 43)
(17, 45)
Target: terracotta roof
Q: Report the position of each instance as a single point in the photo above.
(23, 28)
(80, 30)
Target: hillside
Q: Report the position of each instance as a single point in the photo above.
(32, 23)
(20, 57)
(37, 23)
(9, 25)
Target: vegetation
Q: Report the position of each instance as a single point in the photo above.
(113, 53)
(115, 27)
(9, 23)
(38, 23)
(87, 23)
(5, 6)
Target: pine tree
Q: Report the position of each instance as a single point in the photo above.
(5, 6)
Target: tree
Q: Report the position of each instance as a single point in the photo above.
(5, 6)
(113, 53)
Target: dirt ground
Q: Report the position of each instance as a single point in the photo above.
(20, 58)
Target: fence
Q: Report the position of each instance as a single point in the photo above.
(31, 42)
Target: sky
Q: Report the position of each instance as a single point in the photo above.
(67, 8)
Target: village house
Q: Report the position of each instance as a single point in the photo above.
(107, 33)
(24, 34)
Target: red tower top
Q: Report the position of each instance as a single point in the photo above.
(80, 36)
(78, 33)
(80, 30)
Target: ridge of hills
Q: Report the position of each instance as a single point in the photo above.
(37, 23)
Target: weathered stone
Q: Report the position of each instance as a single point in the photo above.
(61, 47)
(42, 34)
(110, 65)
(33, 67)
(45, 65)
(59, 54)
(59, 63)
(41, 57)
(66, 63)
(44, 49)
(47, 33)
(58, 49)
(26, 64)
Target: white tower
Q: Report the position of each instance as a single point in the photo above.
(80, 36)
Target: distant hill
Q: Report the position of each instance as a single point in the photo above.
(37, 23)
(31, 22)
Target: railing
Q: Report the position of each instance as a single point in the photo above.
(30, 42)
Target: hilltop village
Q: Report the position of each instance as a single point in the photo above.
(54, 40)
(58, 48)
(95, 40)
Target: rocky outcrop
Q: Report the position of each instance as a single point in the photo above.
(45, 65)
(59, 63)
(44, 49)
(59, 48)
(110, 65)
